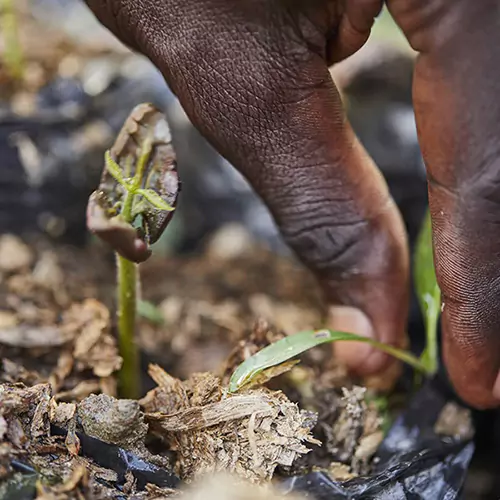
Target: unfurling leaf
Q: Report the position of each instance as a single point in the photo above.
(285, 349)
(155, 199)
(114, 169)
(428, 292)
(139, 186)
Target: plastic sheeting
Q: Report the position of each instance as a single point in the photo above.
(414, 463)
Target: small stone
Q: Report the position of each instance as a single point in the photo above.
(114, 421)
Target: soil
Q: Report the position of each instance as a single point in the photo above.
(59, 361)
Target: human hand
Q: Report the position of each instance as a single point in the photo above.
(253, 77)
(456, 89)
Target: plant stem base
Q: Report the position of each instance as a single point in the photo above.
(129, 377)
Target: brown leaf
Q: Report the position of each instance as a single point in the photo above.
(80, 391)
(94, 346)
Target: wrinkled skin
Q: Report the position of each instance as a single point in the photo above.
(252, 75)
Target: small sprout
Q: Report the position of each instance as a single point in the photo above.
(429, 294)
(139, 186)
(130, 210)
(285, 349)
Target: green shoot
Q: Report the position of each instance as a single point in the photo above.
(285, 349)
(429, 294)
(130, 210)
(13, 53)
(128, 283)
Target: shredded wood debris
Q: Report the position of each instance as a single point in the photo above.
(248, 434)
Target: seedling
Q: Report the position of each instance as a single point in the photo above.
(130, 210)
(285, 349)
(429, 294)
(13, 53)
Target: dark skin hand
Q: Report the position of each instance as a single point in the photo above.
(253, 77)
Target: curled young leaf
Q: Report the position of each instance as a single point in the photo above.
(120, 235)
(139, 186)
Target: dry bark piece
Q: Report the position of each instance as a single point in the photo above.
(247, 434)
(25, 412)
(200, 417)
(72, 441)
(61, 413)
(3, 427)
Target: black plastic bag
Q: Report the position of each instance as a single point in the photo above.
(414, 463)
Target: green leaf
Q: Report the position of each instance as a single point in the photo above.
(139, 206)
(155, 199)
(428, 292)
(114, 169)
(150, 312)
(289, 347)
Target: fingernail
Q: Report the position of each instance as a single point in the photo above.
(350, 320)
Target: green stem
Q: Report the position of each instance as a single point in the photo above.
(127, 302)
(128, 284)
(400, 354)
(13, 53)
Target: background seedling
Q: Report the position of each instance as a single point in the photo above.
(290, 347)
(13, 53)
(429, 294)
(130, 210)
